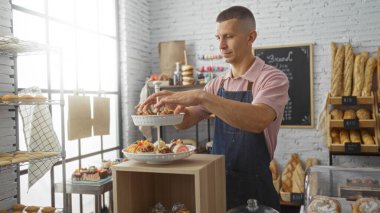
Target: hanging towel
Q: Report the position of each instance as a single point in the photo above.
(39, 136)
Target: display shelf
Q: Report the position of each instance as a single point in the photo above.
(13, 46)
(30, 102)
(359, 100)
(198, 182)
(9, 159)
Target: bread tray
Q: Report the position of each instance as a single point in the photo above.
(157, 120)
(158, 158)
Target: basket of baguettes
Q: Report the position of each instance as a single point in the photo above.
(352, 76)
(292, 177)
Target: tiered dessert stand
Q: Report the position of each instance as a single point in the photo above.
(158, 121)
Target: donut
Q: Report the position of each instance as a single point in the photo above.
(187, 68)
(187, 73)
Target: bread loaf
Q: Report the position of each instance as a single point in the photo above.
(367, 137)
(333, 53)
(335, 136)
(368, 76)
(358, 76)
(348, 69)
(273, 168)
(365, 56)
(311, 162)
(344, 136)
(337, 81)
(349, 114)
(366, 205)
(355, 136)
(363, 114)
(324, 204)
(336, 114)
(378, 71)
(286, 177)
(298, 177)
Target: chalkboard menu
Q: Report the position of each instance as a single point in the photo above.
(296, 62)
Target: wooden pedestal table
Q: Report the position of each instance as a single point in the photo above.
(197, 181)
(97, 189)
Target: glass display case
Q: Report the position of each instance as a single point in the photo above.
(342, 189)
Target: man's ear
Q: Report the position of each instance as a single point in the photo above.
(252, 36)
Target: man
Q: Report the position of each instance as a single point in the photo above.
(248, 103)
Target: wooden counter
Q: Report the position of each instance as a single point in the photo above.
(198, 182)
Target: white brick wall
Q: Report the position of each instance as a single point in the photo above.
(278, 23)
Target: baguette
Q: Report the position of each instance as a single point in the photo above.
(378, 71)
(348, 69)
(358, 76)
(273, 168)
(333, 53)
(368, 76)
(337, 81)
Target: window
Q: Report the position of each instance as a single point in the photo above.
(85, 32)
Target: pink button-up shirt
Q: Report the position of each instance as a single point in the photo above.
(270, 87)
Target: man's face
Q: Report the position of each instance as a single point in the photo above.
(235, 41)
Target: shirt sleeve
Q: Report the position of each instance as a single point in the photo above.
(273, 92)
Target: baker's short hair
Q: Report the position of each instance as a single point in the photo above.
(238, 12)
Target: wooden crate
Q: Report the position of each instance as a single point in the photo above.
(364, 147)
(360, 100)
(367, 123)
(198, 182)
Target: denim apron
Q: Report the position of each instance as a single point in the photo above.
(247, 159)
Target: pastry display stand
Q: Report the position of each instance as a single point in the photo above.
(98, 189)
(198, 182)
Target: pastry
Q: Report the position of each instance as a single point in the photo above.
(363, 114)
(355, 136)
(348, 69)
(131, 148)
(337, 81)
(336, 114)
(298, 177)
(368, 76)
(32, 209)
(367, 137)
(344, 136)
(366, 205)
(349, 114)
(48, 210)
(323, 204)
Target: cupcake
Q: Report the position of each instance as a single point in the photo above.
(48, 209)
(18, 207)
(32, 209)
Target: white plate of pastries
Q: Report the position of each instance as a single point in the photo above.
(159, 152)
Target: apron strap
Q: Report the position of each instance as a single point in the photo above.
(221, 85)
(249, 86)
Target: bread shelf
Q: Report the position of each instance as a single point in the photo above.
(365, 148)
(360, 100)
(9, 159)
(29, 102)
